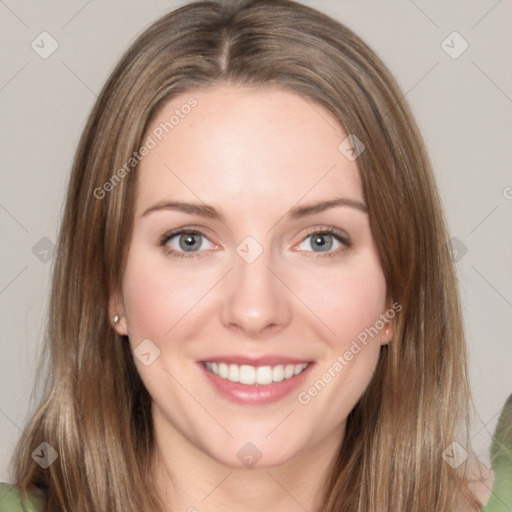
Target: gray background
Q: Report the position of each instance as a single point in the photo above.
(463, 106)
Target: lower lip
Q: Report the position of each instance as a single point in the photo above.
(256, 394)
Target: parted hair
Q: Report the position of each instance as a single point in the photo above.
(95, 411)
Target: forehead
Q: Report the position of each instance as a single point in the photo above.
(241, 146)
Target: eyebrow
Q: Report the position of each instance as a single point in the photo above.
(297, 212)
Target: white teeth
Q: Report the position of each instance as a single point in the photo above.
(223, 370)
(278, 373)
(288, 371)
(250, 375)
(264, 375)
(299, 368)
(247, 374)
(233, 374)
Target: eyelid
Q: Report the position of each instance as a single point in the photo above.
(178, 231)
(164, 239)
(331, 230)
(338, 234)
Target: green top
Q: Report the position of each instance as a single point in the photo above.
(499, 501)
(501, 457)
(12, 501)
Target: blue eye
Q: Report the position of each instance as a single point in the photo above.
(325, 242)
(191, 243)
(184, 241)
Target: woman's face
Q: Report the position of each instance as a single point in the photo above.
(257, 329)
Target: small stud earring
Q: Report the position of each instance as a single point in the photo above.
(116, 319)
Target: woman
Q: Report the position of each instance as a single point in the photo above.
(253, 303)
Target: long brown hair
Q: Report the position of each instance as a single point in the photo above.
(96, 412)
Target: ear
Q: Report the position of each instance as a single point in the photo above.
(388, 331)
(116, 308)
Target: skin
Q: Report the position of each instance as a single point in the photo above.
(253, 154)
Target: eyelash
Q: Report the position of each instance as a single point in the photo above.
(340, 236)
(178, 254)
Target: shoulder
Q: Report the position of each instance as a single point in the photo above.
(12, 500)
(482, 487)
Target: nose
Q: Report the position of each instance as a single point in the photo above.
(256, 302)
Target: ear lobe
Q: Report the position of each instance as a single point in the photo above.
(116, 314)
(387, 333)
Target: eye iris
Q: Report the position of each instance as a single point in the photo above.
(322, 243)
(190, 242)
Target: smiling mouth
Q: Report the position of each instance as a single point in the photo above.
(251, 375)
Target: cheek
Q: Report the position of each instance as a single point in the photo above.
(346, 299)
(349, 303)
(158, 297)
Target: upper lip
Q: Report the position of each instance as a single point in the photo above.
(270, 360)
